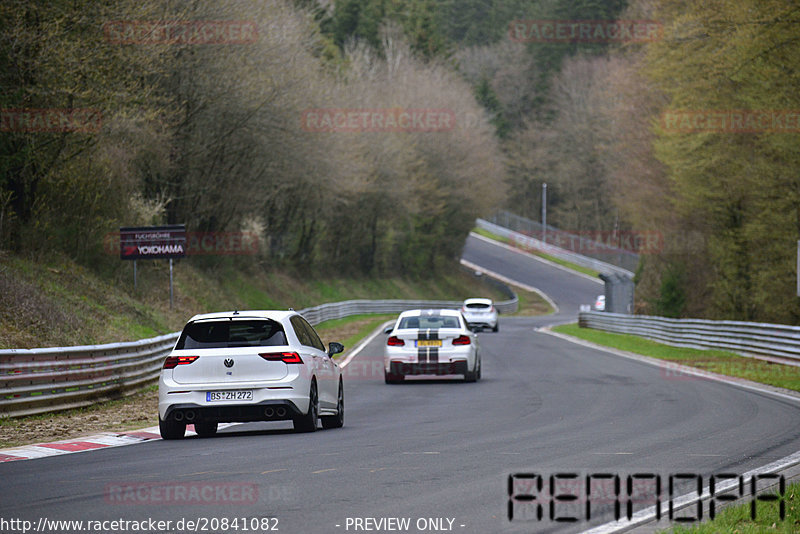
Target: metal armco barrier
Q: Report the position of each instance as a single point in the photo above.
(760, 339)
(34, 381)
(525, 242)
(42, 380)
(578, 243)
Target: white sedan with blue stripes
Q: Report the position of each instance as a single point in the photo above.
(431, 342)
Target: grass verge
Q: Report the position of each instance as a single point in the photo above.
(716, 361)
(57, 302)
(531, 304)
(350, 330)
(548, 257)
(737, 519)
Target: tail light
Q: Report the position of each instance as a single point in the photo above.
(463, 309)
(492, 310)
(285, 357)
(174, 361)
(395, 341)
(462, 340)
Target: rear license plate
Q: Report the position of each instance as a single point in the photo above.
(429, 342)
(242, 395)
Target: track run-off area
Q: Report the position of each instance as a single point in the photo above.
(428, 455)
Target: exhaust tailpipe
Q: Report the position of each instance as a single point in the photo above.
(269, 412)
(179, 416)
(281, 411)
(190, 415)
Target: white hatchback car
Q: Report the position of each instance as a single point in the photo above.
(249, 366)
(431, 342)
(481, 313)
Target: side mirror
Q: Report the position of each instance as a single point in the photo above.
(335, 348)
(388, 329)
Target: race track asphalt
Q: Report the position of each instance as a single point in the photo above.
(429, 449)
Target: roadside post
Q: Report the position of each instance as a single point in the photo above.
(544, 213)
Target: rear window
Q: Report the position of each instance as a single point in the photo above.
(429, 322)
(231, 333)
(478, 306)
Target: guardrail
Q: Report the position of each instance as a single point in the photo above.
(34, 381)
(771, 341)
(579, 243)
(40, 380)
(526, 242)
(338, 310)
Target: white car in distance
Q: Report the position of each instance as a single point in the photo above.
(246, 366)
(600, 303)
(481, 313)
(431, 342)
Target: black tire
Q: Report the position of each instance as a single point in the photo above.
(308, 422)
(205, 430)
(336, 421)
(393, 378)
(171, 429)
(480, 368)
(496, 326)
(471, 376)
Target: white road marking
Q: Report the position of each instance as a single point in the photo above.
(649, 514)
(364, 343)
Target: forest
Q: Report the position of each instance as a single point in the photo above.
(212, 134)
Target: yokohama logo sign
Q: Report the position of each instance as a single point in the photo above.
(152, 242)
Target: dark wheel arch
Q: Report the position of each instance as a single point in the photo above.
(308, 421)
(336, 421)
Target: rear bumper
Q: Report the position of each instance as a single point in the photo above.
(293, 394)
(232, 413)
(484, 321)
(445, 368)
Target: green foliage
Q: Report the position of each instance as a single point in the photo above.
(672, 298)
(488, 99)
(212, 135)
(738, 189)
(549, 57)
(363, 20)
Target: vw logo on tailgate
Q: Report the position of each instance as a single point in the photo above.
(228, 362)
